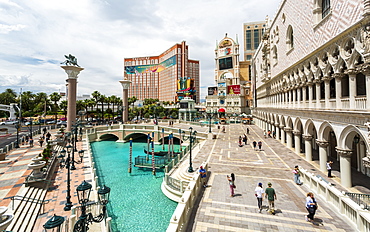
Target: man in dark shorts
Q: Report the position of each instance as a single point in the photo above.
(271, 197)
(203, 175)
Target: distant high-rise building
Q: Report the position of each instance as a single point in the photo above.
(171, 76)
(253, 33)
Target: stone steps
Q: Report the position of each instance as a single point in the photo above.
(27, 209)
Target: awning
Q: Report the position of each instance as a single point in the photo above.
(222, 110)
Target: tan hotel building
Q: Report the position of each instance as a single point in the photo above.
(171, 76)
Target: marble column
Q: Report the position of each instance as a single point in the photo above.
(310, 95)
(282, 134)
(125, 85)
(345, 167)
(362, 154)
(289, 137)
(304, 99)
(299, 98)
(294, 91)
(327, 93)
(318, 95)
(297, 141)
(72, 72)
(277, 130)
(338, 90)
(352, 89)
(308, 147)
(323, 154)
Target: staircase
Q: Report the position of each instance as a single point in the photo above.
(27, 208)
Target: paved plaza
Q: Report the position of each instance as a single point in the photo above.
(217, 211)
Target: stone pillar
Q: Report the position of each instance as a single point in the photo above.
(299, 98)
(366, 164)
(282, 134)
(345, 167)
(318, 95)
(327, 93)
(362, 154)
(308, 147)
(297, 141)
(323, 154)
(310, 95)
(294, 93)
(277, 130)
(338, 90)
(72, 72)
(352, 89)
(304, 94)
(125, 85)
(367, 90)
(289, 137)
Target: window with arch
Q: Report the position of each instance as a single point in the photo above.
(360, 84)
(325, 8)
(290, 38)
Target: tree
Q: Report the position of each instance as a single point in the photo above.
(55, 97)
(8, 96)
(63, 106)
(96, 95)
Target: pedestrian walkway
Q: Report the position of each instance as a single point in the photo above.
(218, 211)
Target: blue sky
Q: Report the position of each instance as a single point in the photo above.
(35, 35)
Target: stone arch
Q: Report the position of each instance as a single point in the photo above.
(324, 131)
(136, 136)
(108, 136)
(309, 128)
(289, 122)
(347, 136)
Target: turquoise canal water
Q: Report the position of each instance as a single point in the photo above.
(136, 200)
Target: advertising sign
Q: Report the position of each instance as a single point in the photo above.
(212, 90)
(223, 84)
(151, 68)
(233, 89)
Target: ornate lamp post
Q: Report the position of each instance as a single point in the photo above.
(17, 126)
(31, 128)
(54, 224)
(81, 154)
(125, 85)
(191, 138)
(83, 194)
(68, 204)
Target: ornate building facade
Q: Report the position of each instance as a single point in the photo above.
(232, 93)
(312, 82)
(171, 76)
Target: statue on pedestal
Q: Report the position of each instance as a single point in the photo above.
(70, 60)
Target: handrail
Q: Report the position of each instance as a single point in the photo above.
(360, 199)
(33, 200)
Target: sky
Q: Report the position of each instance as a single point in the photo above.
(35, 35)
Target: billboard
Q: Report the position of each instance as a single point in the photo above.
(212, 90)
(233, 89)
(151, 68)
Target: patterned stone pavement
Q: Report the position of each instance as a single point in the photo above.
(217, 211)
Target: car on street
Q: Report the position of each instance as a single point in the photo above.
(2, 123)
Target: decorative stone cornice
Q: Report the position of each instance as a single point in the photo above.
(343, 152)
(338, 75)
(323, 144)
(125, 83)
(296, 132)
(351, 72)
(307, 137)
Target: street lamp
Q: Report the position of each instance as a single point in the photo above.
(191, 138)
(210, 116)
(68, 204)
(81, 154)
(54, 223)
(17, 126)
(83, 195)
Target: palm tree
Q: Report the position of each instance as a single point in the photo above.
(63, 106)
(8, 96)
(55, 97)
(88, 103)
(42, 98)
(27, 100)
(102, 100)
(96, 95)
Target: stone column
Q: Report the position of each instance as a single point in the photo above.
(72, 72)
(323, 154)
(308, 147)
(125, 85)
(338, 90)
(362, 155)
(345, 167)
(299, 98)
(366, 164)
(277, 130)
(352, 89)
(327, 93)
(282, 134)
(310, 95)
(367, 90)
(294, 93)
(304, 94)
(297, 141)
(289, 137)
(318, 95)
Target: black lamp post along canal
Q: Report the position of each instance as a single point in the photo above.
(191, 138)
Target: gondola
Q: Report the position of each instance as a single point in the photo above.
(159, 153)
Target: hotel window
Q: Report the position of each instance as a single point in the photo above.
(290, 38)
(225, 63)
(256, 40)
(248, 40)
(325, 6)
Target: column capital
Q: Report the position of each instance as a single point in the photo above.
(323, 144)
(366, 161)
(338, 75)
(296, 132)
(351, 72)
(288, 129)
(307, 137)
(281, 127)
(276, 124)
(343, 152)
(72, 71)
(364, 68)
(125, 83)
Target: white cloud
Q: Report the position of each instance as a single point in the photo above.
(36, 34)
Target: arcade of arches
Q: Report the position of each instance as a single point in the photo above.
(321, 141)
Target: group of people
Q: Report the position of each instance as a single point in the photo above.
(259, 145)
(44, 137)
(243, 140)
(269, 134)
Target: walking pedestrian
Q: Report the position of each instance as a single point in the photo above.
(269, 133)
(231, 181)
(44, 130)
(31, 142)
(254, 144)
(271, 197)
(248, 130)
(245, 139)
(297, 175)
(259, 195)
(264, 133)
(240, 141)
(27, 139)
(274, 134)
(223, 129)
(41, 141)
(311, 206)
(260, 145)
(203, 175)
(328, 167)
